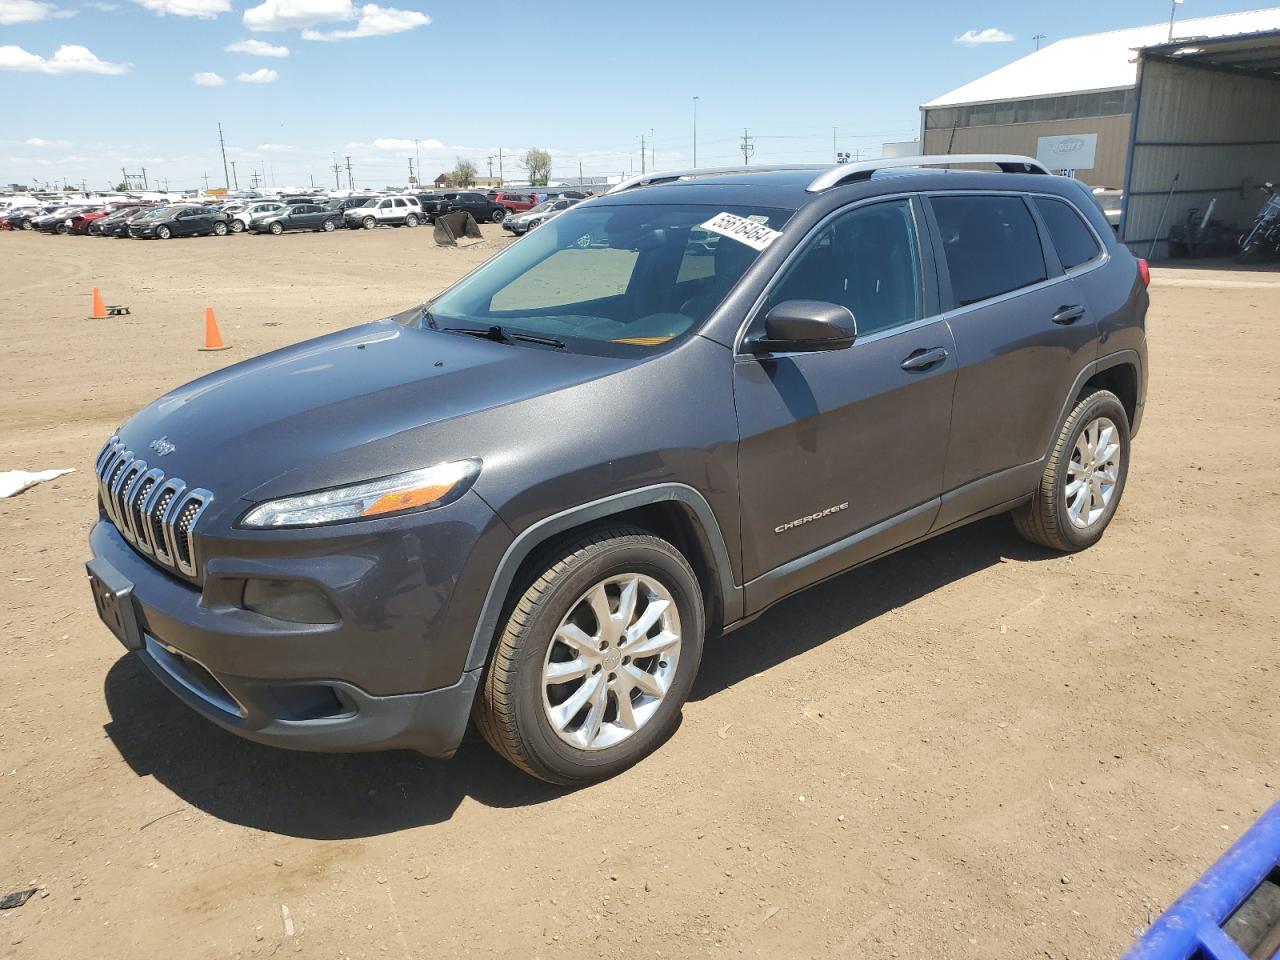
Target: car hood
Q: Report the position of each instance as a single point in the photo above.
(349, 406)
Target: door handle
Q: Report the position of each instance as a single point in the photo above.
(923, 359)
(1067, 315)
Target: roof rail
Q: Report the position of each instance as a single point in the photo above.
(669, 176)
(853, 172)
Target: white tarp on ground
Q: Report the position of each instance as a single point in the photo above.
(15, 481)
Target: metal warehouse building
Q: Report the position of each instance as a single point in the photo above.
(1131, 109)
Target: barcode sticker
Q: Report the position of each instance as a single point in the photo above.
(755, 235)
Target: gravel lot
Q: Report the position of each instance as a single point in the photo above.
(970, 749)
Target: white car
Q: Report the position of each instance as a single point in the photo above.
(241, 219)
(391, 211)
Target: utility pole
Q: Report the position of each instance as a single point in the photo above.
(222, 144)
(579, 174)
(1173, 12)
(748, 148)
(642, 170)
(205, 176)
(234, 178)
(144, 179)
(490, 168)
(417, 158)
(500, 167)
(411, 180)
(351, 182)
(337, 184)
(695, 132)
(1037, 38)
(653, 153)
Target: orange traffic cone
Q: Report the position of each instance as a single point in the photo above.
(99, 308)
(212, 336)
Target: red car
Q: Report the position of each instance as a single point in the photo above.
(79, 224)
(515, 202)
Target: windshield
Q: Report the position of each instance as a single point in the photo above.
(609, 279)
(544, 206)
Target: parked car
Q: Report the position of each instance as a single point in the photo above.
(514, 202)
(519, 223)
(119, 226)
(301, 216)
(82, 223)
(241, 219)
(349, 203)
(529, 500)
(387, 211)
(59, 220)
(474, 203)
(181, 221)
(96, 226)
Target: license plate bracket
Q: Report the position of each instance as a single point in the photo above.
(113, 596)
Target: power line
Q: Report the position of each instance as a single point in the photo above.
(748, 148)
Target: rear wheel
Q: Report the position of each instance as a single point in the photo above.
(596, 658)
(329, 226)
(63, 229)
(1083, 478)
(499, 215)
(411, 220)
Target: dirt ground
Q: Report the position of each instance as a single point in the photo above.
(971, 749)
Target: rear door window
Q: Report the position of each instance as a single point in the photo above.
(991, 245)
(1074, 242)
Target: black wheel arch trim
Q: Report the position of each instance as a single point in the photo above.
(534, 536)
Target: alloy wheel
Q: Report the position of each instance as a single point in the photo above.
(611, 661)
(1093, 472)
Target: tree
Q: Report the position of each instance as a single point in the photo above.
(538, 163)
(463, 173)
(122, 187)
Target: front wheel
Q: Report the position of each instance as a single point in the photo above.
(596, 658)
(369, 223)
(1083, 478)
(276, 229)
(499, 215)
(237, 226)
(219, 229)
(164, 233)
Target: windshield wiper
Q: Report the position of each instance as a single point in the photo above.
(498, 335)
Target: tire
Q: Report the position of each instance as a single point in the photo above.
(164, 233)
(329, 226)
(237, 226)
(219, 229)
(63, 229)
(276, 229)
(411, 221)
(515, 704)
(369, 223)
(1049, 519)
(499, 215)
(1251, 253)
(26, 225)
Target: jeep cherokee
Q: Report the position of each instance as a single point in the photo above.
(530, 499)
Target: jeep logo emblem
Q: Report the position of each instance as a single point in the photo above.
(162, 446)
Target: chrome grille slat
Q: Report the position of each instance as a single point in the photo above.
(157, 515)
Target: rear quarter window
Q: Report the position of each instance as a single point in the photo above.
(991, 245)
(1073, 241)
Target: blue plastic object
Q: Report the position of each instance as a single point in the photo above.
(1194, 922)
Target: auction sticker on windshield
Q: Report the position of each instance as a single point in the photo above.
(753, 234)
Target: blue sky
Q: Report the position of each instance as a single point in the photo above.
(583, 80)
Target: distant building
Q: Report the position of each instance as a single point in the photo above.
(1070, 103)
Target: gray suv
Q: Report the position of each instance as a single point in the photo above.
(527, 501)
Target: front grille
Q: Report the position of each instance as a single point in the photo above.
(156, 514)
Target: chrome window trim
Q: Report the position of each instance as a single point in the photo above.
(800, 246)
(1103, 252)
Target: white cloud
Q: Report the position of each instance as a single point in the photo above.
(287, 14)
(259, 76)
(974, 38)
(207, 9)
(276, 147)
(391, 143)
(24, 11)
(375, 21)
(104, 7)
(41, 142)
(256, 48)
(68, 58)
(207, 79)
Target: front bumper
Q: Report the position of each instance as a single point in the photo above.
(319, 687)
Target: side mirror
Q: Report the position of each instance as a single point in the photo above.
(806, 326)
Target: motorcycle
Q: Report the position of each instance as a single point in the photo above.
(1264, 236)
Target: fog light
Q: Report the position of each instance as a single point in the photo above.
(288, 600)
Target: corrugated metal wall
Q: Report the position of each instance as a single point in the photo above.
(1020, 138)
(1203, 126)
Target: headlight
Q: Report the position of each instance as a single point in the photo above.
(423, 489)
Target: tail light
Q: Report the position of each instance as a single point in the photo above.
(1144, 268)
